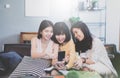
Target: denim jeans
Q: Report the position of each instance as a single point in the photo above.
(10, 59)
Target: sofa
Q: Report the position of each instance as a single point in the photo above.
(24, 50)
(114, 57)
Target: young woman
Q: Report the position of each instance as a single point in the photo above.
(43, 50)
(42, 46)
(92, 53)
(62, 37)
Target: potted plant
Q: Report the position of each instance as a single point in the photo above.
(74, 19)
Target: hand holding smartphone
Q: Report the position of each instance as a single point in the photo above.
(60, 65)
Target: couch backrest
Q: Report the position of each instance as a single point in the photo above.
(22, 49)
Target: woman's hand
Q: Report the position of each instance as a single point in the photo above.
(66, 59)
(60, 66)
(78, 63)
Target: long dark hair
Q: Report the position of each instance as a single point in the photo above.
(86, 43)
(44, 24)
(61, 28)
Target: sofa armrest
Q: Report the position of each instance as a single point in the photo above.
(111, 56)
(111, 49)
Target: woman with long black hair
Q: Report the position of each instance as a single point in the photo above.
(91, 51)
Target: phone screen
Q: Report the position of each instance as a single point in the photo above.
(61, 55)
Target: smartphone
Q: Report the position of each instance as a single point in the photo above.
(61, 55)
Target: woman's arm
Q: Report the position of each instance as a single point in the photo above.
(93, 54)
(72, 54)
(97, 52)
(55, 53)
(87, 61)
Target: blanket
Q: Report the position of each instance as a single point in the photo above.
(82, 74)
(30, 68)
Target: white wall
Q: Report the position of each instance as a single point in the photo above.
(113, 22)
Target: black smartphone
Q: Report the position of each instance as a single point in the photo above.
(61, 55)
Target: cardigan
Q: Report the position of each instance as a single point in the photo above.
(69, 49)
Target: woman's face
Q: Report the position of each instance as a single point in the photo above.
(78, 34)
(47, 33)
(60, 38)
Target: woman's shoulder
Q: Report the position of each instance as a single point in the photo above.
(71, 41)
(54, 43)
(97, 41)
(34, 39)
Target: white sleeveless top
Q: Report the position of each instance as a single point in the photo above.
(49, 49)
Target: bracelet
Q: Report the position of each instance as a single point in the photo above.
(84, 60)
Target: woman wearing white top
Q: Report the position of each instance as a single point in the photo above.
(92, 53)
(42, 46)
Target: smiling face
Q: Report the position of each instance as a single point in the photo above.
(60, 38)
(78, 34)
(47, 33)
